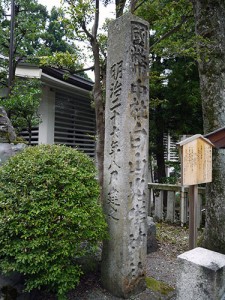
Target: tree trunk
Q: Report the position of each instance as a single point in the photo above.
(100, 133)
(100, 115)
(210, 24)
(120, 4)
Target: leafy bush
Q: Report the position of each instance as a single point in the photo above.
(49, 215)
(23, 103)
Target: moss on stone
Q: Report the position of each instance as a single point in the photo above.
(158, 286)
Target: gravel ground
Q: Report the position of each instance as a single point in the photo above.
(161, 265)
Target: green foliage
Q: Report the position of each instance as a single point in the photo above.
(172, 27)
(37, 34)
(56, 36)
(49, 215)
(82, 18)
(36, 31)
(175, 94)
(175, 103)
(62, 60)
(81, 13)
(23, 103)
(175, 175)
(175, 100)
(30, 20)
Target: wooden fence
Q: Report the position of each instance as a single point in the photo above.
(168, 202)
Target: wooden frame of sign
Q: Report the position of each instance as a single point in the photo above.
(196, 160)
(196, 168)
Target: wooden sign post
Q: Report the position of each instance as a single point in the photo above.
(196, 168)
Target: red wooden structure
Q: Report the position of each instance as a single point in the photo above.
(217, 137)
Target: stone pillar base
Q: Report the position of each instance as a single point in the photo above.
(202, 275)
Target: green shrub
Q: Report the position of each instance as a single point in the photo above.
(49, 215)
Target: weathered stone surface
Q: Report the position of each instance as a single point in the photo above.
(18, 147)
(7, 132)
(201, 275)
(126, 157)
(7, 150)
(152, 244)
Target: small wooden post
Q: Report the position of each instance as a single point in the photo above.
(170, 215)
(159, 206)
(193, 203)
(183, 206)
(199, 211)
(150, 203)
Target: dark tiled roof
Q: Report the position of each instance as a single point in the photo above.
(72, 79)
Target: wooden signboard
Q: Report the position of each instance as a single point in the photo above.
(196, 160)
(196, 168)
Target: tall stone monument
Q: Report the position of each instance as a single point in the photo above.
(126, 156)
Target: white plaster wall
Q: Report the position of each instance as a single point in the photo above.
(47, 113)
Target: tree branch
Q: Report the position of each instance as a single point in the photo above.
(170, 32)
(82, 23)
(19, 39)
(136, 7)
(89, 35)
(83, 70)
(133, 5)
(95, 26)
